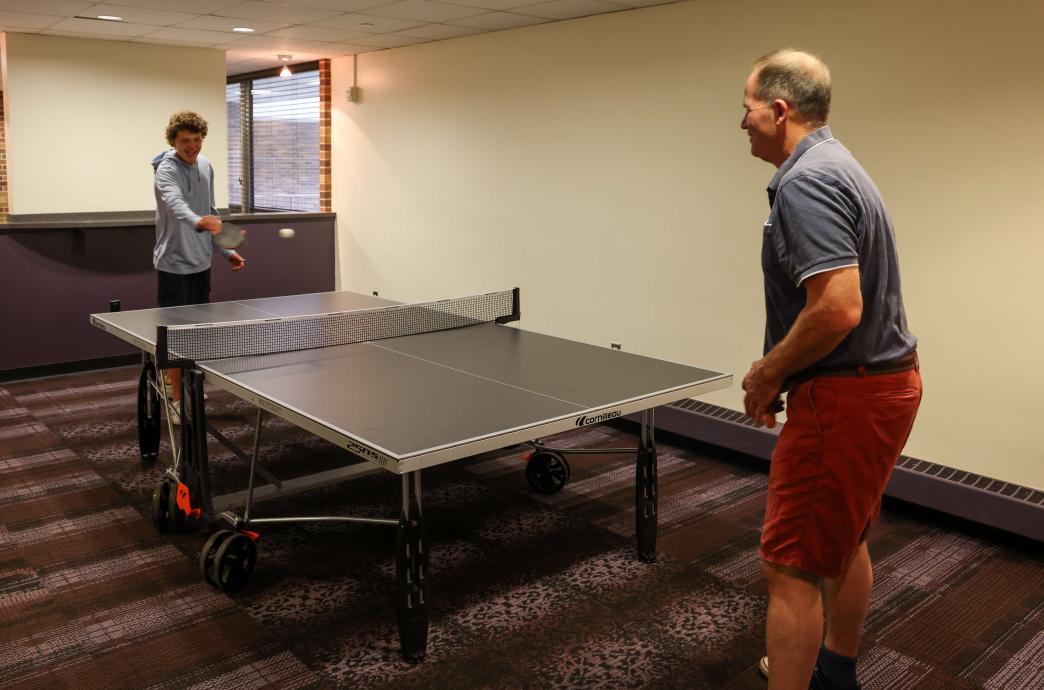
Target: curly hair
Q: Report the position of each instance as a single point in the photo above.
(187, 120)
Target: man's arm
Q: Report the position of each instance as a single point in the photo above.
(833, 307)
(173, 199)
(234, 258)
(171, 196)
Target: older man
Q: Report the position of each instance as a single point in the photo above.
(837, 343)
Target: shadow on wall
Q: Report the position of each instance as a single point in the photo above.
(109, 251)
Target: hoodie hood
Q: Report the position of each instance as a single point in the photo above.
(159, 158)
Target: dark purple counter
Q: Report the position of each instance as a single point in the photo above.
(54, 272)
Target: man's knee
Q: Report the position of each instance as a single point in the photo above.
(789, 581)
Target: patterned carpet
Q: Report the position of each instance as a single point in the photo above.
(528, 591)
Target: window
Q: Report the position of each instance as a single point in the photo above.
(274, 132)
(235, 146)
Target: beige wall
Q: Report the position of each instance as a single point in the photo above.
(85, 117)
(598, 164)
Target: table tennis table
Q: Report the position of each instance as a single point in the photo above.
(402, 386)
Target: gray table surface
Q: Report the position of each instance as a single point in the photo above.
(419, 400)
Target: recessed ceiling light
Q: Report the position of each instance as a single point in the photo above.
(243, 29)
(110, 18)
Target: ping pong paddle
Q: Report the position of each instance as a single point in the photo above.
(231, 235)
(775, 408)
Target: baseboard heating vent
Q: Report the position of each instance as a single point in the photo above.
(718, 426)
(984, 500)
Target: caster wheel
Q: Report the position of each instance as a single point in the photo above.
(234, 562)
(209, 552)
(177, 515)
(547, 471)
(161, 497)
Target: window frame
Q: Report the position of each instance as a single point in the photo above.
(246, 143)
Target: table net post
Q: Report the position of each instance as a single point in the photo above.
(194, 467)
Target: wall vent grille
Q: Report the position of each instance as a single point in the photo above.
(981, 499)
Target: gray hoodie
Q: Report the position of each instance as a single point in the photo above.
(184, 194)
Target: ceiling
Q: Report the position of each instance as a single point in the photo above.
(306, 30)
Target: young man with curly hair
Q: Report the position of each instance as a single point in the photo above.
(186, 220)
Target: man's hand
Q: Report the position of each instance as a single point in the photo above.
(237, 262)
(211, 224)
(762, 394)
(833, 307)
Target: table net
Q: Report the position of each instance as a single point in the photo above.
(209, 341)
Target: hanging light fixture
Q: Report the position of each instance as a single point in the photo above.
(285, 72)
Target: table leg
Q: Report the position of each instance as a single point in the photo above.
(645, 491)
(148, 411)
(411, 572)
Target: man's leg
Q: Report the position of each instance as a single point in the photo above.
(794, 625)
(175, 290)
(171, 291)
(173, 379)
(847, 600)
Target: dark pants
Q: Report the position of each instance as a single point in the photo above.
(176, 290)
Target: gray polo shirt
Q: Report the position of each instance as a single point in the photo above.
(827, 214)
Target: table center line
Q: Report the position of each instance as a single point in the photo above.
(478, 376)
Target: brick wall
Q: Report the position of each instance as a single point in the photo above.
(324, 136)
(4, 207)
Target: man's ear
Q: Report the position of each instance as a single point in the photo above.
(780, 109)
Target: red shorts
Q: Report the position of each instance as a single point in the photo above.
(831, 463)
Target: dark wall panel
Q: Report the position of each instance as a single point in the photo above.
(52, 279)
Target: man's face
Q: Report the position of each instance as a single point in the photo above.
(187, 145)
(759, 119)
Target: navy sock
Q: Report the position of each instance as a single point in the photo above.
(838, 671)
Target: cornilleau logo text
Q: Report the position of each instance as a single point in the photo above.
(367, 453)
(584, 420)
